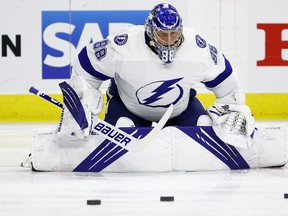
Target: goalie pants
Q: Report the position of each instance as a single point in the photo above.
(117, 109)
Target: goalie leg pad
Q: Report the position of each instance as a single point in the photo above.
(174, 149)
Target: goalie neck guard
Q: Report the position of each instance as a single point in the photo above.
(164, 28)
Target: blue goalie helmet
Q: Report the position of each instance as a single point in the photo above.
(164, 28)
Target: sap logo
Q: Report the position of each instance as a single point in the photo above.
(65, 33)
(274, 44)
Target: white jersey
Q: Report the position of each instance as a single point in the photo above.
(146, 85)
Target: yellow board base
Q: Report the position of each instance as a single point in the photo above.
(30, 108)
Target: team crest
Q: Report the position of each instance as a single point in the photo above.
(160, 93)
(200, 41)
(120, 40)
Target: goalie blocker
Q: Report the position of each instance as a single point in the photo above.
(173, 149)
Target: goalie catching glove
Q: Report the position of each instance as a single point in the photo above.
(233, 124)
(82, 104)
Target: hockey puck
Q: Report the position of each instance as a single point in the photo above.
(167, 198)
(285, 195)
(94, 202)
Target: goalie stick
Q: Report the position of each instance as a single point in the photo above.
(35, 91)
(124, 138)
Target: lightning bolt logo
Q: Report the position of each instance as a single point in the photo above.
(159, 92)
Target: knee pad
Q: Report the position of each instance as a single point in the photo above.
(204, 120)
(124, 122)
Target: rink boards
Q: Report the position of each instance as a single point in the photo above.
(173, 149)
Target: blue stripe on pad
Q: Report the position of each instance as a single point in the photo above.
(73, 103)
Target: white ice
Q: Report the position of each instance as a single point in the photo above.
(23, 192)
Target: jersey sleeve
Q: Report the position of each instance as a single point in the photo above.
(220, 76)
(95, 62)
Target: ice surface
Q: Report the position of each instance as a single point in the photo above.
(22, 192)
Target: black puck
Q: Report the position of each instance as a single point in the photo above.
(286, 195)
(167, 198)
(94, 202)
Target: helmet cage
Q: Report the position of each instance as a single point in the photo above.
(164, 20)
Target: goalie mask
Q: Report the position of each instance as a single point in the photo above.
(164, 28)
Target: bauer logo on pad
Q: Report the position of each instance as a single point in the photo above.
(65, 33)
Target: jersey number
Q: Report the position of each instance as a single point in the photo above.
(101, 53)
(100, 49)
(167, 55)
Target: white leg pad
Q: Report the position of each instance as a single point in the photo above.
(174, 149)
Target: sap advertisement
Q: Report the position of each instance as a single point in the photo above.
(42, 38)
(65, 33)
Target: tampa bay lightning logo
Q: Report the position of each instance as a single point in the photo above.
(160, 93)
(121, 39)
(200, 41)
